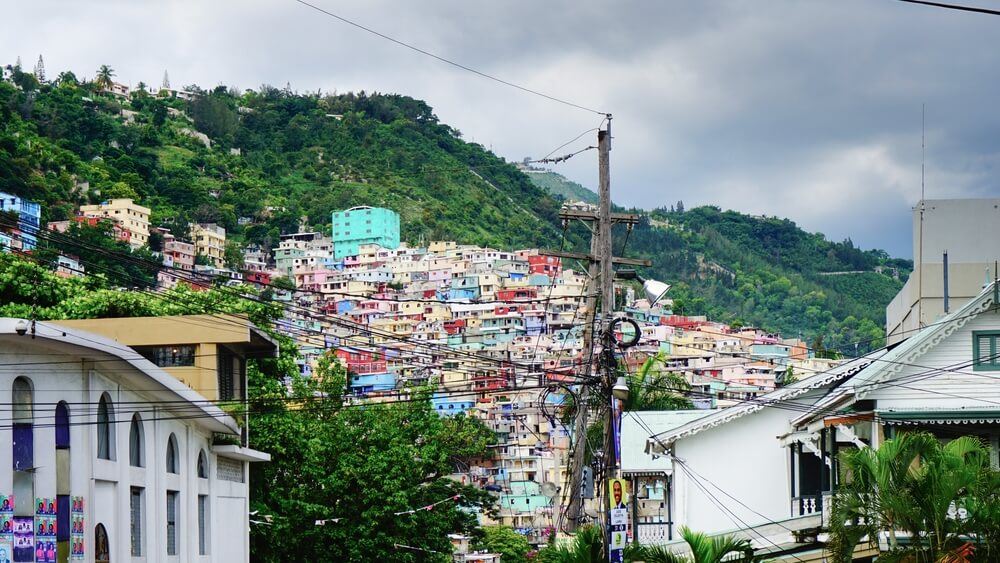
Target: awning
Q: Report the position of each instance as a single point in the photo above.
(949, 417)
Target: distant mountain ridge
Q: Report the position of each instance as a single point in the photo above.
(560, 186)
(278, 158)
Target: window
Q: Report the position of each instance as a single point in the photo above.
(226, 372)
(23, 445)
(202, 524)
(172, 461)
(173, 501)
(135, 513)
(105, 428)
(986, 350)
(136, 440)
(202, 465)
(102, 545)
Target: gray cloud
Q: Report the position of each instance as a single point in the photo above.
(808, 110)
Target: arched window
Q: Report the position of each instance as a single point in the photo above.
(172, 461)
(102, 545)
(136, 443)
(62, 426)
(23, 445)
(202, 465)
(105, 428)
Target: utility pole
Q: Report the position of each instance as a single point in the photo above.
(601, 274)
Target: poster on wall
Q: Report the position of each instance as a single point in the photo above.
(45, 530)
(6, 529)
(617, 518)
(24, 538)
(76, 529)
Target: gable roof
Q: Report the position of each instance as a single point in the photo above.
(660, 442)
(900, 356)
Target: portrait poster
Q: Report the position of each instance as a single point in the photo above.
(24, 538)
(76, 529)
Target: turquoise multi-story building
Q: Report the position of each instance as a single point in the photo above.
(29, 218)
(364, 225)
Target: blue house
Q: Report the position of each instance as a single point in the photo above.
(29, 217)
(371, 382)
(450, 406)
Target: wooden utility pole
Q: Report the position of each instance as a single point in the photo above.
(601, 274)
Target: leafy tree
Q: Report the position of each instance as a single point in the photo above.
(283, 282)
(512, 546)
(587, 546)
(653, 388)
(234, 255)
(915, 485)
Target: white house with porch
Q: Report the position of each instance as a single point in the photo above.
(766, 469)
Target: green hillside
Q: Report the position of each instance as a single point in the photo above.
(275, 158)
(560, 186)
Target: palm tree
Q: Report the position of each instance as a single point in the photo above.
(587, 547)
(704, 549)
(652, 389)
(916, 486)
(103, 79)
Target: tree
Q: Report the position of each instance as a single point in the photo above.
(587, 546)
(372, 469)
(512, 546)
(917, 486)
(103, 79)
(704, 549)
(283, 282)
(654, 389)
(234, 255)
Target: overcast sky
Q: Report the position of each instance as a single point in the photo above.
(809, 110)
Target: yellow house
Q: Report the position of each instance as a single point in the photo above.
(207, 353)
(127, 214)
(210, 240)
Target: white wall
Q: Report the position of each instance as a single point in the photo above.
(745, 459)
(105, 485)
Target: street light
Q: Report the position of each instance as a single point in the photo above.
(654, 289)
(620, 390)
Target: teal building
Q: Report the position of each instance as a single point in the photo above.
(364, 225)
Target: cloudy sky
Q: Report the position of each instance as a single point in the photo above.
(809, 110)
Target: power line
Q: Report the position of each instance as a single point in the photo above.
(446, 61)
(955, 7)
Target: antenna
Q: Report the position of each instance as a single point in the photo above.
(923, 145)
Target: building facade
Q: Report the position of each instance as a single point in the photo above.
(127, 214)
(364, 225)
(29, 216)
(107, 440)
(210, 241)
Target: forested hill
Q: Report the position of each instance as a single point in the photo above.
(259, 162)
(560, 186)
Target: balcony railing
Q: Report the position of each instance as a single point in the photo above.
(807, 504)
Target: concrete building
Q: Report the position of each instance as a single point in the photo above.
(967, 231)
(127, 214)
(147, 466)
(29, 216)
(364, 225)
(210, 241)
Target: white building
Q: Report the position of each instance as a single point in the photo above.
(100, 422)
(967, 231)
(768, 467)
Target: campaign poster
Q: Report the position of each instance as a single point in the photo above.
(76, 529)
(6, 528)
(24, 538)
(617, 519)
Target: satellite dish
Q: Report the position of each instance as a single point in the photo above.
(549, 489)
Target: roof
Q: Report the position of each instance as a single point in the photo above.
(843, 371)
(213, 417)
(902, 355)
(637, 428)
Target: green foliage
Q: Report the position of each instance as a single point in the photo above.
(654, 388)
(915, 485)
(558, 185)
(587, 546)
(512, 546)
(360, 465)
(767, 272)
(704, 549)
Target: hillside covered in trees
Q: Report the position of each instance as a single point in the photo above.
(260, 162)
